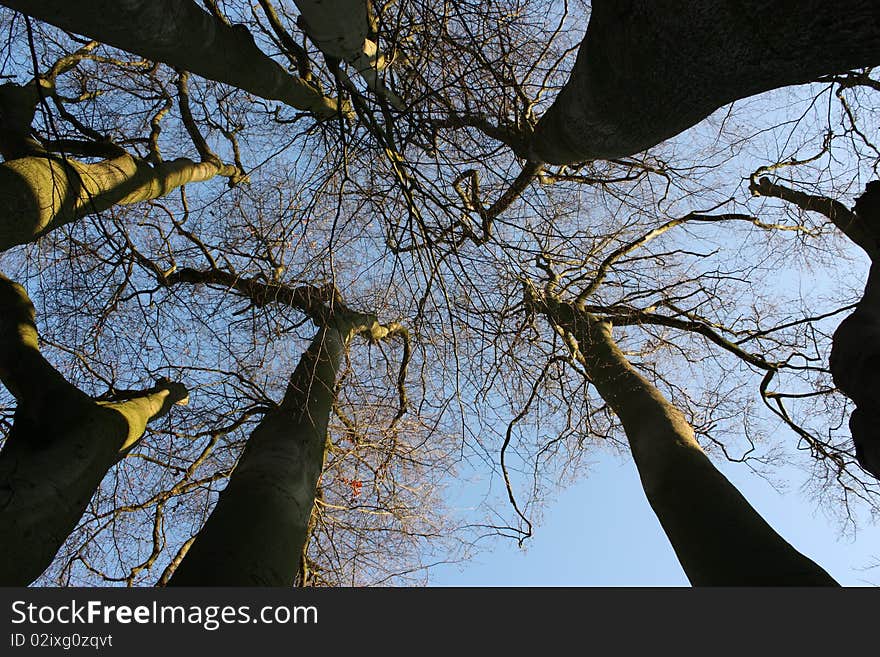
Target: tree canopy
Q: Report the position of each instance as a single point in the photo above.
(383, 277)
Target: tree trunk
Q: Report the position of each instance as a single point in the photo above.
(344, 30)
(716, 534)
(855, 347)
(61, 445)
(338, 27)
(40, 194)
(256, 533)
(855, 368)
(41, 190)
(649, 69)
(181, 34)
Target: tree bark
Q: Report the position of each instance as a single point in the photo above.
(649, 69)
(344, 30)
(862, 233)
(181, 34)
(41, 190)
(256, 533)
(855, 347)
(855, 367)
(338, 27)
(39, 194)
(60, 447)
(717, 535)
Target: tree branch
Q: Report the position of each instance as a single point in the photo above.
(182, 35)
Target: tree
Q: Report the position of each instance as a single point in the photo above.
(852, 357)
(351, 39)
(261, 521)
(62, 442)
(432, 215)
(648, 70)
(60, 446)
(164, 31)
(42, 188)
(167, 276)
(718, 537)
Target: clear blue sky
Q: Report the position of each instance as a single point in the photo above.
(601, 532)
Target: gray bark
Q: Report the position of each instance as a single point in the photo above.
(41, 190)
(255, 534)
(61, 445)
(717, 535)
(344, 30)
(257, 531)
(649, 69)
(40, 194)
(181, 34)
(855, 347)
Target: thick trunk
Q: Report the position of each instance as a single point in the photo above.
(39, 194)
(61, 445)
(855, 367)
(649, 69)
(343, 29)
(18, 104)
(256, 533)
(338, 27)
(181, 34)
(855, 348)
(716, 534)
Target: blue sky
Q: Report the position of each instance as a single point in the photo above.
(602, 532)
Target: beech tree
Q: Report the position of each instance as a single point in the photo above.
(262, 517)
(429, 203)
(61, 444)
(855, 343)
(260, 294)
(179, 33)
(648, 70)
(718, 537)
(43, 188)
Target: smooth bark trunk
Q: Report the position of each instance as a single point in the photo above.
(855, 347)
(649, 69)
(60, 447)
(41, 190)
(181, 34)
(344, 30)
(256, 533)
(717, 535)
(41, 193)
(338, 27)
(855, 367)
